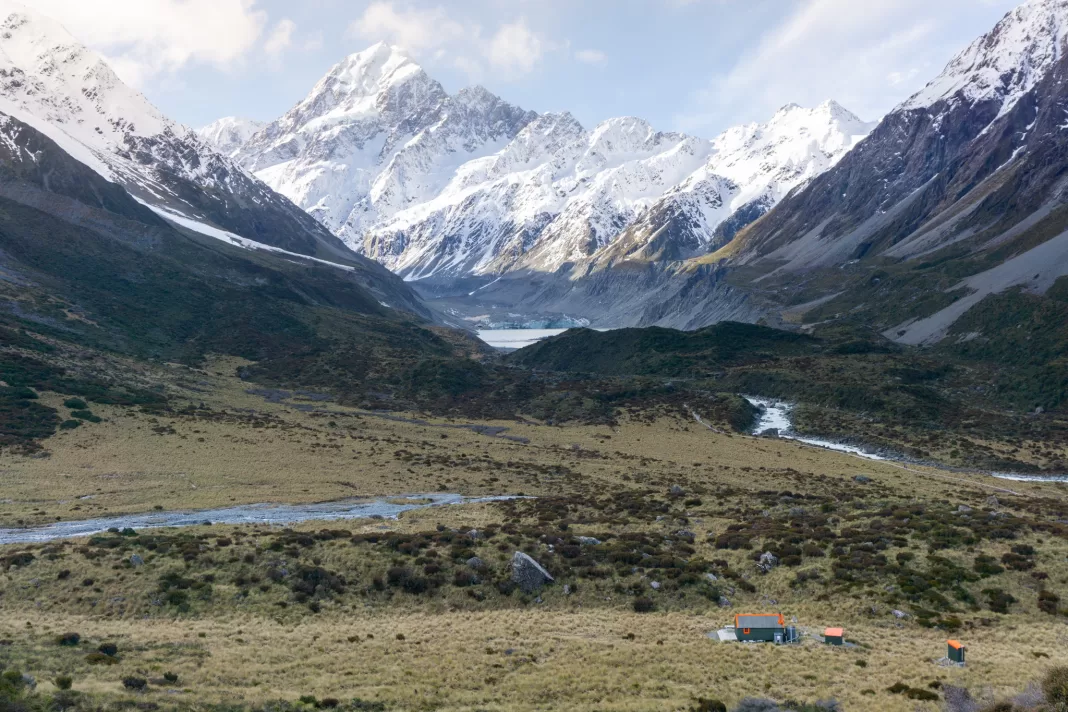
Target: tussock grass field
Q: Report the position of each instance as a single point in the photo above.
(394, 614)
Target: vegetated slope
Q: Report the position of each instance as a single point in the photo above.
(664, 352)
(86, 263)
(69, 93)
(957, 195)
(849, 384)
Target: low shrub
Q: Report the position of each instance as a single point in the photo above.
(101, 659)
(63, 682)
(69, 639)
(135, 684)
(644, 605)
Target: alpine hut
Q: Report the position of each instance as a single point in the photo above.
(834, 636)
(760, 627)
(956, 651)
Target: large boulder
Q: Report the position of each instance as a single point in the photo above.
(767, 562)
(528, 574)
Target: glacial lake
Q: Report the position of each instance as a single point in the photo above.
(516, 338)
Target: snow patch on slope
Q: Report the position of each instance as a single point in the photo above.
(228, 134)
(1005, 63)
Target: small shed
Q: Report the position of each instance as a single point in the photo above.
(956, 651)
(760, 627)
(834, 636)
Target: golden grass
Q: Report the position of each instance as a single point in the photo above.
(525, 660)
(268, 452)
(569, 652)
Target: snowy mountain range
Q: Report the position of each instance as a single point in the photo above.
(433, 185)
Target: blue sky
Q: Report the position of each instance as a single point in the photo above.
(692, 65)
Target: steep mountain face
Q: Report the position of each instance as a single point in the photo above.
(439, 187)
(750, 169)
(559, 195)
(85, 262)
(958, 194)
(375, 135)
(70, 94)
(555, 194)
(228, 134)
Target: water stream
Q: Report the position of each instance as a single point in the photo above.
(775, 416)
(275, 514)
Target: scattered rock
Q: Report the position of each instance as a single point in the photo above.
(474, 533)
(964, 509)
(992, 502)
(724, 602)
(528, 574)
(686, 534)
(136, 560)
(655, 585)
(676, 491)
(767, 562)
(712, 577)
(900, 615)
(772, 433)
(29, 681)
(588, 540)
(567, 589)
(861, 480)
(1039, 410)
(476, 563)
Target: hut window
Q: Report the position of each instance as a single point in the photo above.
(745, 630)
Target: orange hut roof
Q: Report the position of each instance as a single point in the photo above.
(834, 632)
(955, 644)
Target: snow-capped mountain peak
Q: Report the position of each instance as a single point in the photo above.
(436, 185)
(71, 95)
(1005, 63)
(230, 133)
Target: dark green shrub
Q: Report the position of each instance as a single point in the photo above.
(170, 677)
(99, 658)
(1055, 688)
(134, 684)
(109, 649)
(704, 705)
(70, 424)
(1047, 602)
(644, 605)
(85, 415)
(987, 566)
(75, 404)
(63, 682)
(69, 639)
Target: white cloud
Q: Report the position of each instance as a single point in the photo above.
(514, 48)
(146, 38)
(416, 30)
(280, 38)
(591, 56)
(434, 33)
